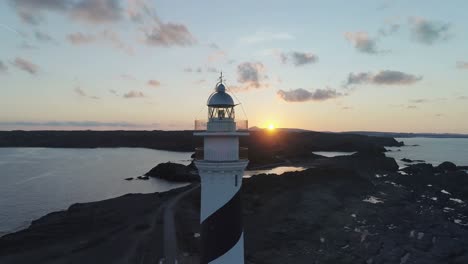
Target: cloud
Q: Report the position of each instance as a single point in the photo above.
(250, 75)
(412, 107)
(97, 11)
(88, 11)
(362, 42)
(463, 97)
(302, 95)
(25, 65)
(114, 92)
(44, 37)
(79, 38)
(134, 94)
(82, 93)
(298, 58)
(386, 77)
(169, 34)
(3, 67)
(128, 77)
(213, 46)
(25, 45)
(428, 32)
(30, 11)
(154, 83)
(265, 37)
(419, 101)
(462, 64)
(217, 56)
(109, 36)
(390, 30)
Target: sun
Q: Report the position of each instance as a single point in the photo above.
(271, 127)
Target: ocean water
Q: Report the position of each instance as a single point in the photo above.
(37, 181)
(432, 150)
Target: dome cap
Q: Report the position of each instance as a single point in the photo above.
(220, 98)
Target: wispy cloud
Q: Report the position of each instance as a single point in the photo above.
(43, 37)
(25, 65)
(463, 97)
(134, 94)
(216, 56)
(428, 32)
(128, 77)
(153, 83)
(298, 58)
(302, 95)
(108, 36)
(88, 11)
(97, 11)
(462, 64)
(362, 42)
(259, 37)
(3, 67)
(30, 11)
(82, 93)
(419, 101)
(386, 77)
(79, 38)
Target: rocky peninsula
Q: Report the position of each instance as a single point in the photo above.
(350, 209)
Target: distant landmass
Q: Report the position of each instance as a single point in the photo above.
(376, 133)
(407, 135)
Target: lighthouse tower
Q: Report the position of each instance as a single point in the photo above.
(221, 165)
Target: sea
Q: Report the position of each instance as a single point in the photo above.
(37, 181)
(431, 150)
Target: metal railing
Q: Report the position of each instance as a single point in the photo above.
(221, 125)
(243, 153)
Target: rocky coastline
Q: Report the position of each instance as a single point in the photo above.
(361, 208)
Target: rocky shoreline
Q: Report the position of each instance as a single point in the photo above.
(351, 209)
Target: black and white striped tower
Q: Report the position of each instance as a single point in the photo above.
(221, 164)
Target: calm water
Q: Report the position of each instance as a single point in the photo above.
(331, 154)
(432, 150)
(37, 181)
(277, 170)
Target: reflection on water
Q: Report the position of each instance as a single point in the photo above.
(37, 181)
(277, 170)
(331, 154)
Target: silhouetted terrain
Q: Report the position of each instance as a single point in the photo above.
(265, 147)
(408, 135)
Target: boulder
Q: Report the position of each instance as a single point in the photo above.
(446, 166)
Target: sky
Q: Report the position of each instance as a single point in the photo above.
(367, 65)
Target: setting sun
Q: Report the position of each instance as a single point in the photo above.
(271, 127)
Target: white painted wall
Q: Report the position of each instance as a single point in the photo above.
(221, 148)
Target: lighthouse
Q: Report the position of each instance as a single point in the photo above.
(221, 164)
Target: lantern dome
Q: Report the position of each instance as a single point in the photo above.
(220, 98)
